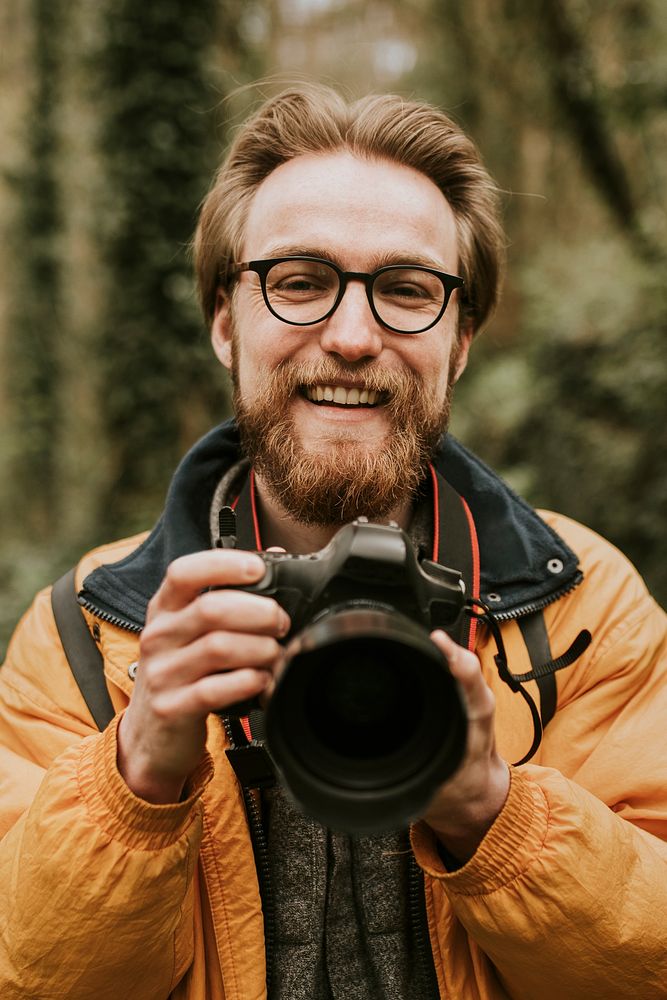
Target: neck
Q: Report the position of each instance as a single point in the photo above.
(280, 530)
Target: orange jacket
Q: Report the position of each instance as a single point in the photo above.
(105, 895)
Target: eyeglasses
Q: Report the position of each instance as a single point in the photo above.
(302, 291)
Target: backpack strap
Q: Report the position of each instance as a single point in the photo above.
(534, 632)
(85, 660)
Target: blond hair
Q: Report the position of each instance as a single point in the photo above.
(314, 118)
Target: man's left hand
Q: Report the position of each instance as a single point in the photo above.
(464, 808)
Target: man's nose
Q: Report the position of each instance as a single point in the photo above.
(352, 332)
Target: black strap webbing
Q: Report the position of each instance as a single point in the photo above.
(85, 659)
(535, 636)
(455, 549)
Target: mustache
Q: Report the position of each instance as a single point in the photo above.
(289, 376)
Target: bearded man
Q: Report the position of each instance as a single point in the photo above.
(346, 255)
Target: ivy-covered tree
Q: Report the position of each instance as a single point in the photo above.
(35, 313)
(158, 145)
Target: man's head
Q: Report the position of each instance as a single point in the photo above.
(315, 119)
(361, 188)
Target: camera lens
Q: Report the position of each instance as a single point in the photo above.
(366, 720)
(363, 689)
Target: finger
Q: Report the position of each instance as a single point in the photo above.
(211, 693)
(216, 652)
(187, 576)
(466, 669)
(213, 611)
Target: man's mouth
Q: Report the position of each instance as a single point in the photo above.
(338, 395)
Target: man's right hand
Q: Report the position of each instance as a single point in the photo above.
(200, 650)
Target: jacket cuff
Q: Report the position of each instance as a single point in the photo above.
(512, 842)
(122, 814)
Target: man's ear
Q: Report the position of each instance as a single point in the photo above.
(221, 328)
(466, 334)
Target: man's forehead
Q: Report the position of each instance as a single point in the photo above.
(332, 204)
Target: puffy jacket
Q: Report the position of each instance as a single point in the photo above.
(105, 895)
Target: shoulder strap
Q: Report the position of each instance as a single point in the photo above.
(534, 632)
(455, 545)
(83, 655)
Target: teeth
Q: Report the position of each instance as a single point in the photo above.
(344, 397)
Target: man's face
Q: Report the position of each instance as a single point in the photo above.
(326, 461)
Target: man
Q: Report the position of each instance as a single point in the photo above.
(330, 254)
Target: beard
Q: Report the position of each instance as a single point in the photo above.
(349, 479)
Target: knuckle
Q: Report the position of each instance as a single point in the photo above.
(176, 574)
(152, 676)
(216, 647)
(162, 708)
(208, 609)
(153, 607)
(149, 640)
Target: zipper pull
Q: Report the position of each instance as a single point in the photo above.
(226, 529)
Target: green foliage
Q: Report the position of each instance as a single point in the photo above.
(110, 375)
(566, 394)
(576, 414)
(27, 439)
(158, 378)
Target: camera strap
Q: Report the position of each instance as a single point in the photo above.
(455, 544)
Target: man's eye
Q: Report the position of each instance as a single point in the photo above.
(407, 292)
(299, 285)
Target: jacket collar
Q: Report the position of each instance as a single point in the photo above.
(524, 564)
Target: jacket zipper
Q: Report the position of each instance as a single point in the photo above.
(106, 616)
(533, 606)
(500, 616)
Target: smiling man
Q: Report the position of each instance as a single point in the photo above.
(338, 418)
(346, 256)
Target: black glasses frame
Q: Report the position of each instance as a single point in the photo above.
(262, 267)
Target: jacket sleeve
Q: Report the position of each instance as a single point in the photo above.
(567, 894)
(83, 862)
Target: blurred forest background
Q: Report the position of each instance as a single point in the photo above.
(113, 115)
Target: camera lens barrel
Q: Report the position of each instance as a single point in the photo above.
(366, 720)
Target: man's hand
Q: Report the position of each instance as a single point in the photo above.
(201, 650)
(463, 809)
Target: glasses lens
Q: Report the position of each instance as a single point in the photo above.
(408, 298)
(301, 291)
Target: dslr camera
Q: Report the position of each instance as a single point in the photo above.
(365, 721)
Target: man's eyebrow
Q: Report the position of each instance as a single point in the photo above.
(302, 250)
(423, 260)
(384, 259)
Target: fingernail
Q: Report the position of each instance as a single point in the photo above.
(253, 567)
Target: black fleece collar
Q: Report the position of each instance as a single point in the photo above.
(524, 563)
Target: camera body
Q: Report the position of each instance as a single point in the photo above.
(364, 566)
(365, 720)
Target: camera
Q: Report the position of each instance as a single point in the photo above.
(365, 721)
